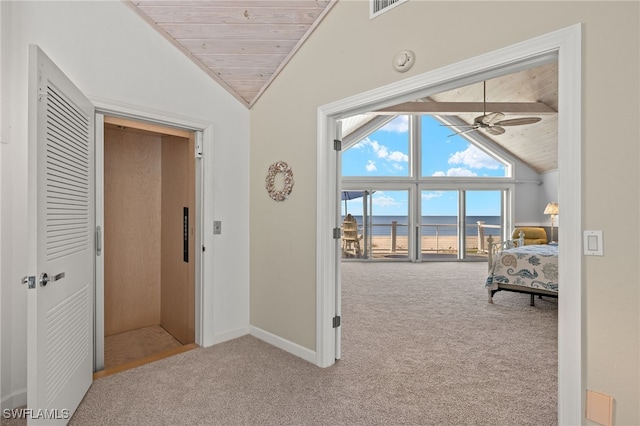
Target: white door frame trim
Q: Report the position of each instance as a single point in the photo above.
(566, 43)
(204, 332)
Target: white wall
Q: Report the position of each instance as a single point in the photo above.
(531, 198)
(527, 196)
(349, 54)
(549, 194)
(111, 53)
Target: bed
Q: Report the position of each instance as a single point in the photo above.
(530, 269)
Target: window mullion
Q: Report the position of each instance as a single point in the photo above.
(415, 146)
(415, 156)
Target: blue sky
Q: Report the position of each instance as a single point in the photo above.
(386, 153)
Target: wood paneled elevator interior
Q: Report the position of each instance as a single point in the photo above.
(149, 240)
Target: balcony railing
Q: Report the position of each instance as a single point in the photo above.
(437, 238)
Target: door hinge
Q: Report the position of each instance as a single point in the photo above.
(336, 321)
(30, 280)
(337, 233)
(337, 144)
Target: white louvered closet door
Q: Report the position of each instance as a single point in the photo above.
(60, 325)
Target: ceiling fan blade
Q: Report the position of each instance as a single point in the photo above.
(495, 130)
(493, 117)
(518, 121)
(458, 125)
(463, 132)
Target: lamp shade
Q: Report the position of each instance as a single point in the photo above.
(552, 208)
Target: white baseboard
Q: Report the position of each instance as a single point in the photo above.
(284, 344)
(15, 400)
(229, 335)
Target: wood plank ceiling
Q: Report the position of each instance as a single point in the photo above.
(535, 144)
(242, 45)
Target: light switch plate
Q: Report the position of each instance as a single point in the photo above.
(217, 227)
(592, 243)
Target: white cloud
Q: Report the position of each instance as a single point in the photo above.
(474, 158)
(455, 171)
(371, 166)
(381, 200)
(399, 124)
(382, 151)
(363, 143)
(432, 194)
(460, 171)
(399, 157)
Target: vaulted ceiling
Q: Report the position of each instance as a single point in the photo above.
(243, 45)
(529, 93)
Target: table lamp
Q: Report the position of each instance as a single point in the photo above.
(552, 209)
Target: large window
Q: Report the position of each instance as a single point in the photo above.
(419, 193)
(384, 152)
(445, 154)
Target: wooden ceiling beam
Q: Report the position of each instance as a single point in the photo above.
(454, 108)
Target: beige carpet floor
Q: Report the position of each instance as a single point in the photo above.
(421, 346)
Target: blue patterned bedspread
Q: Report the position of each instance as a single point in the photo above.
(534, 266)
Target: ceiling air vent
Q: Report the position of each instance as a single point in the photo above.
(378, 7)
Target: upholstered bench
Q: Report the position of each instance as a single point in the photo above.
(532, 235)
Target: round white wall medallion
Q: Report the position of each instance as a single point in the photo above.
(404, 60)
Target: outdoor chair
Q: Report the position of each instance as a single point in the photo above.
(350, 237)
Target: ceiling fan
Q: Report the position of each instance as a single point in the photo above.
(493, 122)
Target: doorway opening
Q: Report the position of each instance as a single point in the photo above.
(564, 43)
(148, 243)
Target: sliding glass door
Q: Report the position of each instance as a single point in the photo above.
(382, 218)
(482, 218)
(439, 225)
(355, 225)
(389, 225)
(455, 224)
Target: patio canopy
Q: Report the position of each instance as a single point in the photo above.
(351, 195)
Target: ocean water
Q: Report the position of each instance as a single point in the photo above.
(442, 225)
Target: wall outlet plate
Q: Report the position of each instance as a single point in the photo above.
(599, 408)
